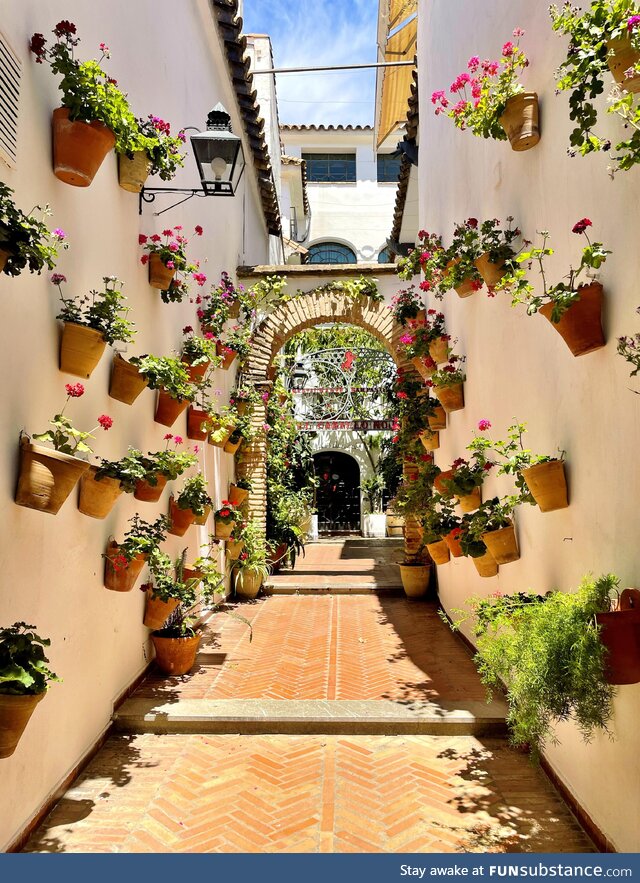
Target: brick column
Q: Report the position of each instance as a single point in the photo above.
(252, 462)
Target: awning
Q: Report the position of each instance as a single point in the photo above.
(396, 81)
(295, 246)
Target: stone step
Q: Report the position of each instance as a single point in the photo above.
(293, 587)
(312, 717)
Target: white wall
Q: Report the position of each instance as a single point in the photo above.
(519, 365)
(172, 65)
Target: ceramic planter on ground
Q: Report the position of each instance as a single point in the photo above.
(202, 519)
(248, 585)
(491, 273)
(581, 325)
(486, 565)
(97, 498)
(15, 712)
(234, 547)
(277, 557)
(520, 121)
(223, 531)
(620, 633)
(415, 579)
(623, 56)
(395, 525)
(126, 381)
(228, 356)
(452, 540)
(169, 409)
(156, 611)
(502, 544)
(134, 171)
(439, 350)
(430, 440)
(231, 447)
(375, 524)
(439, 418)
(78, 148)
(237, 495)
(160, 276)
(180, 519)
(123, 577)
(150, 493)
(195, 420)
(439, 552)
(470, 502)
(46, 477)
(176, 656)
(81, 349)
(548, 485)
(450, 397)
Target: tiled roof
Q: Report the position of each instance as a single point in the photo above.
(235, 44)
(298, 127)
(291, 160)
(405, 165)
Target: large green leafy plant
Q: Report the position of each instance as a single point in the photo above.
(23, 664)
(28, 241)
(166, 373)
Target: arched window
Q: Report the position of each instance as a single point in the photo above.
(331, 253)
(385, 257)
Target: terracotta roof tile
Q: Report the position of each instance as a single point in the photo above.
(405, 165)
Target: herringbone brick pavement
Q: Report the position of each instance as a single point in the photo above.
(309, 794)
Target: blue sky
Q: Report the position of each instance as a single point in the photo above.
(305, 33)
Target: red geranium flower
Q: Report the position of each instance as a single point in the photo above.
(74, 390)
(581, 226)
(105, 421)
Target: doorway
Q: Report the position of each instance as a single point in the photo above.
(338, 493)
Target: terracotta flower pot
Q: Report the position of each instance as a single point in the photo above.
(169, 409)
(450, 397)
(234, 309)
(160, 276)
(439, 418)
(231, 447)
(121, 578)
(581, 325)
(195, 419)
(181, 519)
(15, 712)
(46, 477)
(196, 372)
(81, 349)
(248, 585)
(548, 485)
(466, 287)
(620, 633)
(415, 579)
(470, 502)
(202, 519)
(439, 480)
(452, 540)
(191, 573)
(421, 368)
(157, 611)
(486, 565)
(277, 557)
(241, 407)
(150, 493)
(126, 381)
(4, 257)
(520, 120)
(223, 531)
(78, 148)
(439, 350)
(214, 427)
(439, 552)
(237, 495)
(622, 57)
(228, 355)
(491, 273)
(97, 498)
(176, 656)
(234, 547)
(502, 544)
(134, 171)
(430, 440)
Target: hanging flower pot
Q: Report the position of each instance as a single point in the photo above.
(97, 498)
(502, 544)
(180, 519)
(231, 447)
(620, 633)
(4, 257)
(215, 427)
(415, 579)
(160, 276)
(241, 407)
(15, 712)
(191, 573)
(196, 372)
(78, 148)
(491, 273)
(150, 493)
(438, 420)
(195, 420)
(581, 325)
(439, 350)
(422, 369)
(202, 519)
(520, 121)
(157, 611)
(234, 547)
(134, 171)
(237, 495)
(470, 502)
(46, 477)
(121, 576)
(227, 354)
(466, 288)
(223, 531)
(176, 656)
(169, 409)
(439, 480)
(548, 485)
(452, 540)
(234, 309)
(126, 381)
(439, 552)
(81, 349)
(430, 440)
(249, 585)
(450, 397)
(621, 57)
(486, 565)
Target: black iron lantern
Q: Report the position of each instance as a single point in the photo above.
(219, 155)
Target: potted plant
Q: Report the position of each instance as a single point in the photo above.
(239, 491)
(464, 480)
(406, 304)
(24, 681)
(171, 378)
(169, 266)
(151, 150)
(425, 257)
(620, 633)
(447, 384)
(101, 485)
(629, 349)
(198, 354)
(415, 572)
(438, 521)
(460, 271)
(242, 431)
(375, 521)
(496, 104)
(161, 467)
(25, 241)
(193, 504)
(426, 343)
(222, 303)
(236, 343)
(244, 398)
(573, 310)
(90, 323)
(251, 568)
(48, 475)
(220, 423)
(474, 548)
(225, 519)
(493, 524)
(95, 116)
(124, 561)
(497, 249)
